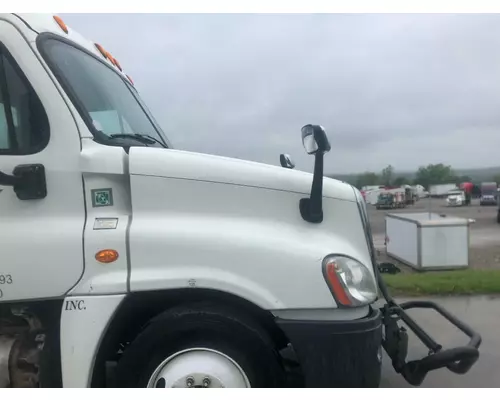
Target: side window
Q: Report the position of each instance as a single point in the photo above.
(24, 126)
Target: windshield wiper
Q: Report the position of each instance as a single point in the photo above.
(146, 139)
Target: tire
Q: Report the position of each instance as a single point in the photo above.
(219, 329)
(498, 217)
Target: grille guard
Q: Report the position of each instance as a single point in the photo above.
(395, 340)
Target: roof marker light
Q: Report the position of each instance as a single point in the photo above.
(118, 65)
(101, 50)
(107, 55)
(61, 23)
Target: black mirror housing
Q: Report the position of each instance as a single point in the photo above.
(286, 161)
(314, 139)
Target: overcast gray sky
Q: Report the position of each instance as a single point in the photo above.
(401, 89)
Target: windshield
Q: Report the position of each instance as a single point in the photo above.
(106, 101)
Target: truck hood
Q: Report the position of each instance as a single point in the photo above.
(177, 164)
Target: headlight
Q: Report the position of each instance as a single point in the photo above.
(350, 282)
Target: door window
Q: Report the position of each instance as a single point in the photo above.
(24, 126)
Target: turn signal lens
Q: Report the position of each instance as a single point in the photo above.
(351, 283)
(61, 23)
(106, 256)
(335, 285)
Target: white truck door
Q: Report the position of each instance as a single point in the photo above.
(41, 249)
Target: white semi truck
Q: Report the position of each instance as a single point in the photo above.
(127, 263)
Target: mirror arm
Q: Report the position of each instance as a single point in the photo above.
(8, 180)
(311, 208)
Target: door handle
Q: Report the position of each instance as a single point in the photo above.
(28, 181)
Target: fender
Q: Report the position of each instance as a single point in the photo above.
(84, 321)
(242, 240)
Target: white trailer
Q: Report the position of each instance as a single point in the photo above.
(427, 241)
(441, 190)
(123, 257)
(372, 187)
(371, 196)
(419, 190)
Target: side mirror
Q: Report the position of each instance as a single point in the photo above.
(315, 140)
(28, 181)
(286, 161)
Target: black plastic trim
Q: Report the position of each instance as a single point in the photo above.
(337, 353)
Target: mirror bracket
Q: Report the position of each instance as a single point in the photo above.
(28, 181)
(311, 209)
(308, 214)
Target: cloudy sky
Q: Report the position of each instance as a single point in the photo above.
(401, 89)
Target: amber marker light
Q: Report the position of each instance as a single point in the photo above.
(106, 256)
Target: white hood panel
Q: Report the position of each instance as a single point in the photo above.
(178, 164)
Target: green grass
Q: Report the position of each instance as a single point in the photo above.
(470, 281)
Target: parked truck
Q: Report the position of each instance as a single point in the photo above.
(127, 263)
(489, 194)
(410, 195)
(419, 191)
(456, 198)
(385, 200)
(467, 188)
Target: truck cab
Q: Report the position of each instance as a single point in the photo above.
(455, 198)
(128, 263)
(489, 194)
(385, 200)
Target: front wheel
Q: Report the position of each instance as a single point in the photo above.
(202, 345)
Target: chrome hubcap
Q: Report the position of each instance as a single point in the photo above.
(198, 368)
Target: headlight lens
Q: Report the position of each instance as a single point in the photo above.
(350, 282)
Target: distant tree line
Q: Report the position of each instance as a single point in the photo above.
(431, 174)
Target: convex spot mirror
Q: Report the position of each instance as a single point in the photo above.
(314, 139)
(286, 161)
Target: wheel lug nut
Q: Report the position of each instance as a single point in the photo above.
(189, 382)
(206, 382)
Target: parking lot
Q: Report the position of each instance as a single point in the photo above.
(481, 312)
(484, 232)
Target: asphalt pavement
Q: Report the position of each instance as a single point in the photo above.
(482, 313)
